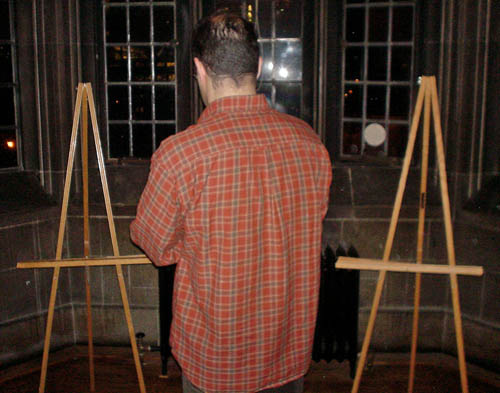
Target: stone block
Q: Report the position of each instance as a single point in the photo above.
(491, 298)
(23, 241)
(19, 297)
(332, 230)
(144, 276)
(341, 188)
(44, 281)
(144, 297)
(469, 290)
(397, 291)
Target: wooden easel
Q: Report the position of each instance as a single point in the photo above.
(427, 95)
(85, 103)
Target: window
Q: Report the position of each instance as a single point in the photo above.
(377, 77)
(140, 77)
(279, 27)
(9, 129)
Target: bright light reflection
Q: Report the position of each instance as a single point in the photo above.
(283, 72)
(270, 66)
(11, 144)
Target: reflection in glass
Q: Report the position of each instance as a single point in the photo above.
(379, 22)
(354, 63)
(377, 63)
(140, 25)
(287, 11)
(401, 63)
(402, 24)
(141, 63)
(163, 22)
(5, 63)
(118, 102)
(117, 63)
(116, 24)
(288, 61)
(267, 62)
(353, 101)
(7, 100)
(164, 63)
(351, 138)
(400, 102)
(163, 131)
(8, 148)
(142, 135)
(355, 25)
(165, 102)
(375, 104)
(398, 138)
(119, 140)
(288, 98)
(141, 103)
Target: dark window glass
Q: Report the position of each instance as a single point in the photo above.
(7, 101)
(265, 19)
(353, 101)
(140, 57)
(400, 102)
(140, 25)
(4, 21)
(354, 63)
(375, 105)
(163, 19)
(118, 102)
(402, 24)
(165, 102)
(141, 103)
(351, 143)
(287, 11)
(355, 25)
(354, 1)
(116, 24)
(267, 62)
(398, 139)
(267, 90)
(163, 131)
(164, 63)
(142, 135)
(8, 148)
(119, 140)
(288, 61)
(377, 63)
(379, 23)
(117, 63)
(288, 98)
(5, 63)
(401, 63)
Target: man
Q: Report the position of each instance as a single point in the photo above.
(237, 201)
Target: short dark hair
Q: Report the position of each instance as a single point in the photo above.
(227, 46)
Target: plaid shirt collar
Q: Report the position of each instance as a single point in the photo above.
(249, 103)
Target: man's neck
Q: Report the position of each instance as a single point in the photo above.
(227, 87)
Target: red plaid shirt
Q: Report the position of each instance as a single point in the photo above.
(237, 201)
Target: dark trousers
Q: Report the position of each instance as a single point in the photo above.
(296, 386)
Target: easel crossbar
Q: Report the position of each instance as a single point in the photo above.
(376, 264)
(81, 262)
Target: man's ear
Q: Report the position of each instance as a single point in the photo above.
(200, 68)
(259, 69)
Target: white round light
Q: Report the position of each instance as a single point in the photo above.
(374, 134)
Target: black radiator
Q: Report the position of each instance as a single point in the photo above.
(336, 335)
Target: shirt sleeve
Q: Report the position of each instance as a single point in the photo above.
(158, 226)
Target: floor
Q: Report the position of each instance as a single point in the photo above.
(115, 372)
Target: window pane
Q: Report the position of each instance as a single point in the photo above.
(400, 102)
(375, 105)
(288, 59)
(163, 131)
(164, 63)
(267, 62)
(5, 63)
(265, 19)
(142, 135)
(165, 102)
(402, 24)
(351, 142)
(377, 63)
(119, 142)
(140, 25)
(354, 63)
(117, 63)
(141, 63)
(141, 103)
(379, 22)
(355, 25)
(398, 138)
(353, 101)
(288, 18)
(7, 103)
(116, 24)
(8, 148)
(288, 98)
(118, 102)
(401, 63)
(267, 90)
(163, 19)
